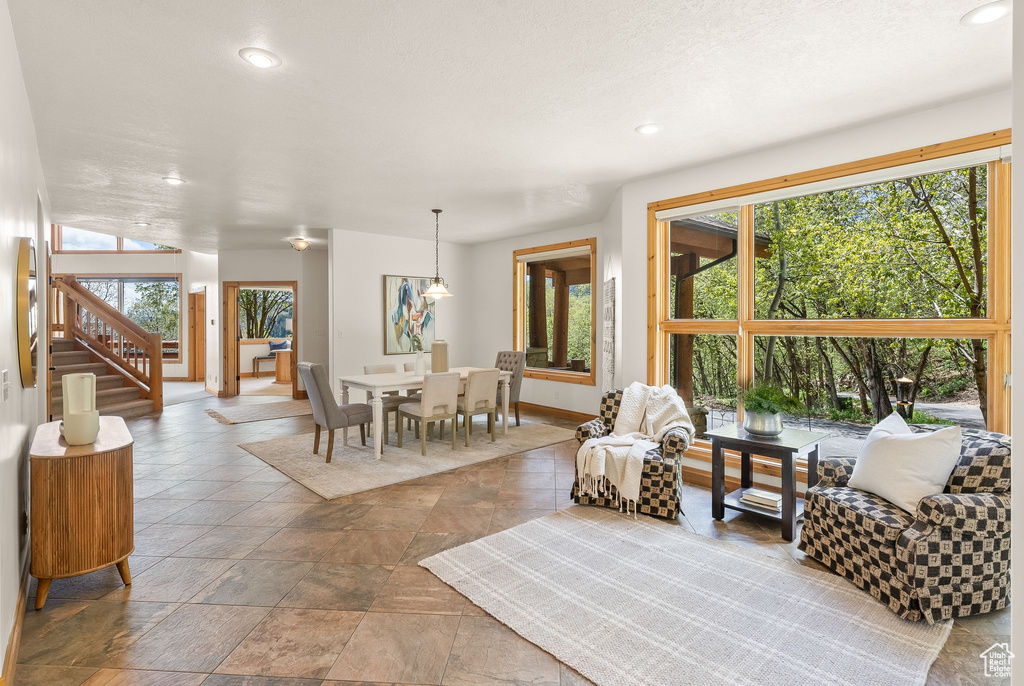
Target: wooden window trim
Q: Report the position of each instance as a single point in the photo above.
(181, 301)
(994, 328)
(57, 238)
(519, 312)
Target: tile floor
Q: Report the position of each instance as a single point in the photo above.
(245, 578)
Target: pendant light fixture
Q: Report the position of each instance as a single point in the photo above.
(438, 288)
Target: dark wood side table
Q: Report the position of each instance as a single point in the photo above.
(787, 447)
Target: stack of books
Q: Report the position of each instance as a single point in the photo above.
(760, 498)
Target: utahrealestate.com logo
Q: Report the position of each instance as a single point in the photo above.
(997, 660)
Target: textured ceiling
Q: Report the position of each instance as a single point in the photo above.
(506, 114)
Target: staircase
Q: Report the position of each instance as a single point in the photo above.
(88, 335)
(113, 397)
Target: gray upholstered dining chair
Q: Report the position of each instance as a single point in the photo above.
(512, 361)
(479, 398)
(326, 412)
(437, 402)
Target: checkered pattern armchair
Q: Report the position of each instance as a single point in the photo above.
(661, 477)
(949, 559)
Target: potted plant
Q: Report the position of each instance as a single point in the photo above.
(763, 405)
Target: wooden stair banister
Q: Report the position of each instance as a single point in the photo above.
(135, 352)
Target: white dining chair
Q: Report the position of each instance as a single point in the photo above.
(437, 403)
(480, 398)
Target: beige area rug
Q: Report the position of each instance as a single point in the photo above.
(353, 469)
(261, 411)
(627, 601)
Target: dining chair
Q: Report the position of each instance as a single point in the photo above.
(479, 398)
(390, 399)
(512, 361)
(411, 366)
(326, 411)
(437, 402)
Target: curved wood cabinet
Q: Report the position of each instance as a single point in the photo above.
(82, 504)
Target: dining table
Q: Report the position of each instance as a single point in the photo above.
(378, 385)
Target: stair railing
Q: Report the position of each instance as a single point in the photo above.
(80, 314)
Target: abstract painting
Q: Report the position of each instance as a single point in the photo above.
(408, 316)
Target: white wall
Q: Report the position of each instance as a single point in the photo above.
(308, 268)
(358, 262)
(24, 211)
(1017, 351)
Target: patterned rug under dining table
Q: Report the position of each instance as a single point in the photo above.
(379, 384)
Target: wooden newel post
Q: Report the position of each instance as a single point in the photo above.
(156, 371)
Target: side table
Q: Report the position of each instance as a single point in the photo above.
(82, 504)
(786, 447)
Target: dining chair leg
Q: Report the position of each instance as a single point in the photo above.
(316, 440)
(330, 444)
(423, 441)
(440, 430)
(469, 424)
(491, 421)
(455, 423)
(362, 433)
(400, 431)
(465, 427)
(517, 414)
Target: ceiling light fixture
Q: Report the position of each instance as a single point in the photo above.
(141, 225)
(174, 180)
(257, 57)
(438, 288)
(648, 129)
(987, 13)
(299, 243)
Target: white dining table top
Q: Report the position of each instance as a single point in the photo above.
(402, 380)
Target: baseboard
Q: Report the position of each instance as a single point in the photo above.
(303, 395)
(558, 412)
(214, 392)
(177, 378)
(14, 641)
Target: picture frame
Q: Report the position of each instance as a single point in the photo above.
(410, 322)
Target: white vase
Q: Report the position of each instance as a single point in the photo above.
(81, 421)
(421, 364)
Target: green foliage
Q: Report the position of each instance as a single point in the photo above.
(579, 320)
(262, 312)
(920, 417)
(767, 398)
(155, 307)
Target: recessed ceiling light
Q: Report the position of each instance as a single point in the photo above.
(987, 13)
(141, 224)
(174, 180)
(257, 57)
(648, 129)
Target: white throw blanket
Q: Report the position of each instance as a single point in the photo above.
(645, 415)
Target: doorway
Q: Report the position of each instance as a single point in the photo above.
(260, 338)
(197, 335)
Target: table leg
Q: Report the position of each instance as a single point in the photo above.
(378, 417)
(42, 590)
(126, 574)
(788, 498)
(812, 467)
(505, 391)
(717, 481)
(344, 401)
(746, 470)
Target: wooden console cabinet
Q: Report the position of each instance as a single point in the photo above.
(82, 504)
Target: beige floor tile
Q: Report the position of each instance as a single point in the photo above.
(85, 633)
(415, 589)
(403, 495)
(485, 652)
(506, 518)
(300, 545)
(385, 518)
(293, 493)
(570, 677)
(231, 542)
(527, 498)
(145, 488)
(338, 587)
(210, 512)
(458, 520)
(254, 582)
(370, 547)
(529, 480)
(163, 539)
(245, 492)
(468, 495)
(541, 465)
(427, 544)
(192, 490)
(229, 472)
(172, 580)
(194, 638)
(134, 677)
(51, 675)
(408, 649)
(329, 516)
(293, 642)
(268, 514)
(152, 510)
(93, 585)
(268, 475)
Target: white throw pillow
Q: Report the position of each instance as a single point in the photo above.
(902, 466)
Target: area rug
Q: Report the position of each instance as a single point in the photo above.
(627, 601)
(261, 411)
(353, 468)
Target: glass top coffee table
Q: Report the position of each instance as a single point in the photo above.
(787, 447)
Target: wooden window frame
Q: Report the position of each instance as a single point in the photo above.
(994, 327)
(181, 301)
(56, 240)
(519, 312)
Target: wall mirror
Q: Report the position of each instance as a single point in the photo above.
(28, 307)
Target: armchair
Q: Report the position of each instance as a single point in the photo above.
(949, 559)
(662, 472)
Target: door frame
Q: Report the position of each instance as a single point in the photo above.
(197, 334)
(232, 329)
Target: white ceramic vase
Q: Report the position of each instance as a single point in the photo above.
(421, 364)
(81, 421)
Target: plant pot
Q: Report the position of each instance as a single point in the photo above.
(763, 424)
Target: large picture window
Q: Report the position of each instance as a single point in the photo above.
(554, 310)
(855, 288)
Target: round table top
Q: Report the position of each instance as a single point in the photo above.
(48, 443)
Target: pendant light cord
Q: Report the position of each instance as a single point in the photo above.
(437, 243)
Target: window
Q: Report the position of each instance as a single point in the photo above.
(554, 310)
(265, 312)
(68, 239)
(152, 302)
(855, 288)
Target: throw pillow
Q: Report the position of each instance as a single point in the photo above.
(902, 466)
(283, 345)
